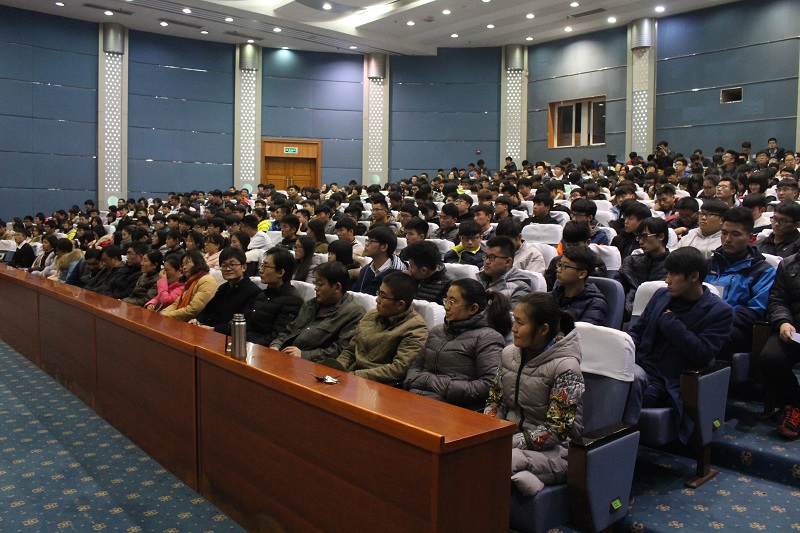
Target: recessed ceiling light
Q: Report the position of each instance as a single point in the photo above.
(204, 32)
(568, 29)
(354, 47)
(165, 24)
(574, 4)
(410, 23)
(490, 26)
(284, 47)
(454, 35)
(228, 19)
(276, 30)
(327, 6)
(487, 1)
(528, 38)
(446, 12)
(187, 10)
(60, 4)
(529, 16)
(660, 9)
(612, 20)
(108, 13)
(251, 41)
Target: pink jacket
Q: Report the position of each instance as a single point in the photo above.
(167, 293)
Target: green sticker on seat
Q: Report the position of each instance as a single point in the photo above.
(616, 505)
(717, 424)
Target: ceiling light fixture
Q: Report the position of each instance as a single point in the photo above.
(410, 23)
(568, 29)
(454, 35)
(108, 13)
(486, 1)
(529, 16)
(284, 47)
(528, 38)
(446, 12)
(490, 26)
(165, 24)
(660, 9)
(187, 10)
(204, 32)
(276, 30)
(326, 6)
(250, 41)
(574, 4)
(228, 19)
(612, 20)
(354, 47)
(60, 4)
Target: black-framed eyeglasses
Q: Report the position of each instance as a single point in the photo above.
(265, 266)
(382, 295)
(562, 266)
(705, 214)
(645, 236)
(230, 266)
(781, 221)
(493, 257)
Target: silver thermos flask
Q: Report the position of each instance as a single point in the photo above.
(239, 338)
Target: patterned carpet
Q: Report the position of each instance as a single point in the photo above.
(63, 468)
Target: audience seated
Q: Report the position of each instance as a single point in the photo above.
(758, 204)
(582, 300)
(24, 256)
(235, 296)
(432, 277)
(584, 210)
(538, 387)
(325, 324)
(784, 241)
(346, 230)
(307, 260)
(380, 247)
(683, 326)
(388, 337)
(277, 305)
(649, 265)
(686, 220)
(526, 255)
(461, 356)
(44, 264)
(448, 230)
(542, 204)
(67, 259)
(123, 277)
(627, 240)
(500, 275)
(415, 230)
(198, 288)
(575, 234)
(169, 286)
(744, 276)
(146, 287)
(471, 250)
(706, 237)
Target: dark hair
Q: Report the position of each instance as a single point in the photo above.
(65, 245)
(243, 238)
(385, 236)
(637, 210)
(418, 225)
(113, 251)
(542, 308)
(583, 256)
(543, 198)
(739, 215)
(303, 266)
(284, 260)
(715, 205)
(157, 258)
(233, 253)
(250, 221)
(343, 251)
(688, 203)
(93, 253)
(316, 230)
(409, 208)
(686, 260)
(756, 199)
(790, 209)
(450, 210)
(403, 287)
(52, 239)
(505, 244)
(139, 248)
(197, 238)
(469, 228)
(334, 272)
(198, 260)
(656, 226)
(575, 232)
(216, 238)
(584, 206)
(173, 260)
(485, 208)
(466, 197)
(509, 227)
(424, 254)
(495, 304)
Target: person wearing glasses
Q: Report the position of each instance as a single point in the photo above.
(688, 212)
(627, 238)
(277, 305)
(234, 296)
(471, 251)
(460, 357)
(380, 247)
(499, 274)
(652, 235)
(726, 191)
(706, 237)
(744, 276)
(784, 241)
(574, 294)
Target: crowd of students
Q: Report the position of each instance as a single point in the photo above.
(504, 347)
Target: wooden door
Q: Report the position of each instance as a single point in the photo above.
(291, 162)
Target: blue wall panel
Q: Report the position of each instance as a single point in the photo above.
(583, 67)
(438, 116)
(702, 52)
(310, 95)
(181, 114)
(48, 112)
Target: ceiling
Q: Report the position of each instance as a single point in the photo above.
(367, 25)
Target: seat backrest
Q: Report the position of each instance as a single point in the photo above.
(615, 299)
(274, 237)
(432, 313)
(330, 238)
(401, 243)
(257, 281)
(109, 229)
(305, 289)
(463, 271)
(561, 216)
(548, 252)
(609, 254)
(432, 228)
(602, 205)
(672, 239)
(37, 248)
(367, 301)
(537, 280)
(607, 362)
(528, 205)
(443, 244)
(519, 215)
(604, 217)
(217, 275)
(643, 295)
(362, 239)
(545, 233)
(773, 260)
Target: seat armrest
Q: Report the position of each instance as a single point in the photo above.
(714, 366)
(603, 435)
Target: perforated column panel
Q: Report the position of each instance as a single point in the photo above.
(639, 122)
(112, 127)
(641, 72)
(375, 127)
(514, 114)
(248, 129)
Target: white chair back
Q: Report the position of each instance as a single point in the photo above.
(611, 232)
(217, 275)
(37, 248)
(109, 229)
(432, 228)
(528, 205)
(604, 217)
(672, 239)
(257, 281)
(561, 216)
(544, 233)
(443, 244)
(274, 237)
(606, 351)
(331, 238)
(643, 295)
(401, 243)
(305, 289)
(773, 260)
(463, 271)
(602, 205)
(367, 301)
(432, 313)
(537, 280)
(548, 252)
(519, 215)
(609, 254)
(362, 239)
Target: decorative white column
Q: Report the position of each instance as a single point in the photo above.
(514, 104)
(112, 115)
(247, 121)
(641, 93)
(375, 152)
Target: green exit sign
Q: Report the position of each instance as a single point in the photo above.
(289, 150)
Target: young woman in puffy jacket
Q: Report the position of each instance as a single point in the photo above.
(460, 358)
